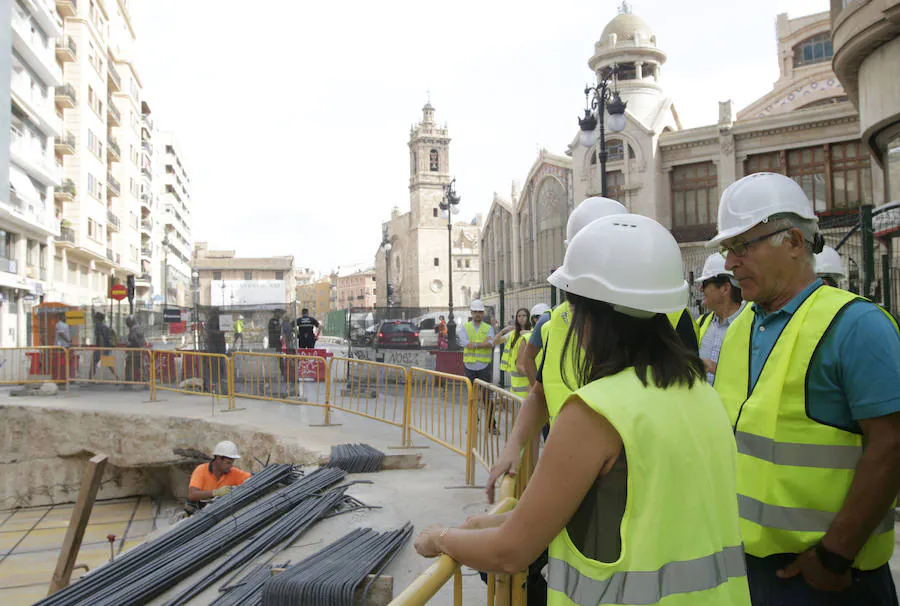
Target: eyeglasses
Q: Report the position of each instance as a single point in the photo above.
(740, 249)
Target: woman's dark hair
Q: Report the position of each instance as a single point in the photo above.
(519, 329)
(614, 341)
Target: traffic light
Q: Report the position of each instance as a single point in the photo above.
(129, 284)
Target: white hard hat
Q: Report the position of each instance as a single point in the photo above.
(629, 261)
(226, 449)
(830, 263)
(753, 199)
(476, 305)
(714, 266)
(539, 309)
(590, 210)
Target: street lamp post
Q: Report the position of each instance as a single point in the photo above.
(602, 101)
(165, 243)
(386, 245)
(449, 204)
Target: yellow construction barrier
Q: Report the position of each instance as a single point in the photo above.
(429, 582)
(441, 409)
(496, 411)
(289, 379)
(192, 373)
(114, 366)
(28, 365)
(373, 390)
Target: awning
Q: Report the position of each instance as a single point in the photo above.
(22, 184)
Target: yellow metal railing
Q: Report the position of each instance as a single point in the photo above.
(496, 411)
(373, 390)
(117, 365)
(289, 379)
(193, 373)
(29, 365)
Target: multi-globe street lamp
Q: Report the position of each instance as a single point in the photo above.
(449, 205)
(600, 100)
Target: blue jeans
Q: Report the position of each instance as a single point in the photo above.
(869, 588)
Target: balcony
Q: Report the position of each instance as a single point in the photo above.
(146, 172)
(109, 254)
(65, 192)
(66, 234)
(142, 280)
(146, 201)
(115, 82)
(114, 151)
(147, 225)
(146, 253)
(112, 186)
(65, 145)
(115, 118)
(66, 50)
(148, 147)
(67, 8)
(112, 221)
(65, 96)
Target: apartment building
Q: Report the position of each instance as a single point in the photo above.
(315, 296)
(33, 47)
(99, 201)
(227, 280)
(355, 289)
(172, 189)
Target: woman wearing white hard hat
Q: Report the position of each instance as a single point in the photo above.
(722, 297)
(634, 489)
(830, 266)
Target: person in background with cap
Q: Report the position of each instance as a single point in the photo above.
(219, 476)
(830, 267)
(722, 297)
(634, 492)
(809, 380)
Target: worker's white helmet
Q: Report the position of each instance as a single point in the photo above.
(590, 210)
(227, 449)
(476, 305)
(714, 266)
(754, 199)
(539, 309)
(629, 261)
(830, 263)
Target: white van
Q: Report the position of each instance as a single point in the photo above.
(427, 322)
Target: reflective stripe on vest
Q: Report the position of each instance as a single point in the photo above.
(680, 530)
(648, 586)
(480, 354)
(794, 473)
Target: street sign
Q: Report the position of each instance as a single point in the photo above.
(75, 317)
(171, 316)
(118, 292)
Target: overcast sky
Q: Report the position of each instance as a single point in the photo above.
(294, 116)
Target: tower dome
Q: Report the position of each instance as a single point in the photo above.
(627, 28)
(630, 44)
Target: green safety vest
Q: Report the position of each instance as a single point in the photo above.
(555, 389)
(681, 541)
(703, 325)
(793, 472)
(480, 354)
(504, 355)
(518, 382)
(239, 326)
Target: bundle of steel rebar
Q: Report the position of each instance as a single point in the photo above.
(248, 590)
(146, 554)
(332, 576)
(154, 576)
(287, 528)
(356, 458)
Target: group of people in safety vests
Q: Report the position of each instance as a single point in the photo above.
(753, 458)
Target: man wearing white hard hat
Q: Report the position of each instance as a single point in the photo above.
(634, 493)
(722, 297)
(476, 340)
(808, 376)
(219, 476)
(830, 267)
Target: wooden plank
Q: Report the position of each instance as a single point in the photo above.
(391, 461)
(77, 525)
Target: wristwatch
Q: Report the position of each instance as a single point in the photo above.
(831, 561)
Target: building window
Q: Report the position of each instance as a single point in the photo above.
(806, 166)
(695, 198)
(434, 163)
(851, 177)
(279, 275)
(434, 212)
(615, 185)
(7, 244)
(813, 50)
(459, 264)
(763, 163)
(217, 275)
(468, 264)
(437, 262)
(615, 151)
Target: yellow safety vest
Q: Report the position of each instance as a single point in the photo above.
(703, 325)
(505, 364)
(681, 541)
(675, 318)
(793, 472)
(518, 382)
(479, 354)
(555, 389)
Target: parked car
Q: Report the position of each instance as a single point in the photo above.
(427, 322)
(397, 333)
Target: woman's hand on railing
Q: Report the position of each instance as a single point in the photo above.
(427, 544)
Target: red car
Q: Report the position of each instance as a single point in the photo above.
(397, 333)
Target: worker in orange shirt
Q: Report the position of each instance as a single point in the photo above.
(218, 477)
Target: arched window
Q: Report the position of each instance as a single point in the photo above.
(434, 162)
(813, 50)
(551, 226)
(615, 151)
